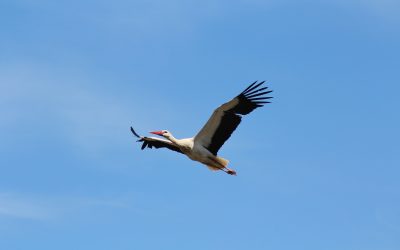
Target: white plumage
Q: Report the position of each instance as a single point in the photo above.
(224, 120)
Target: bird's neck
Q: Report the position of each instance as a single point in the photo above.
(173, 140)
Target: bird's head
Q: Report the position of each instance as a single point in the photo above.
(163, 133)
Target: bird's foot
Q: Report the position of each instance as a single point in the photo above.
(231, 171)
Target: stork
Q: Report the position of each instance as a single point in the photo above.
(205, 145)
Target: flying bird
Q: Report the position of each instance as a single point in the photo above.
(205, 145)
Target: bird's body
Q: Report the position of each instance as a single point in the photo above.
(196, 152)
(204, 146)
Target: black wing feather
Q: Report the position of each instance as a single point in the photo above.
(151, 142)
(247, 100)
(228, 124)
(251, 85)
(134, 133)
(250, 88)
(250, 99)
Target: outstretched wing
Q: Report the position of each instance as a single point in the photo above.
(151, 142)
(227, 117)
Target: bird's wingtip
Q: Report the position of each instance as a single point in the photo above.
(134, 133)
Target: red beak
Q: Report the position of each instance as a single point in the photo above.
(157, 132)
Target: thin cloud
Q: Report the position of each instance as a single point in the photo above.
(384, 10)
(35, 207)
(12, 205)
(85, 117)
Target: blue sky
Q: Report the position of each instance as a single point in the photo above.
(317, 169)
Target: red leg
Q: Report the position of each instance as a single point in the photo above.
(230, 171)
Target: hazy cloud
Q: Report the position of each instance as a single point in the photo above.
(14, 205)
(384, 10)
(86, 116)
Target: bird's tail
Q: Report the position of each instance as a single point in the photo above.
(221, 162)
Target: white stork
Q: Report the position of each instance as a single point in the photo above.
(205, 145)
